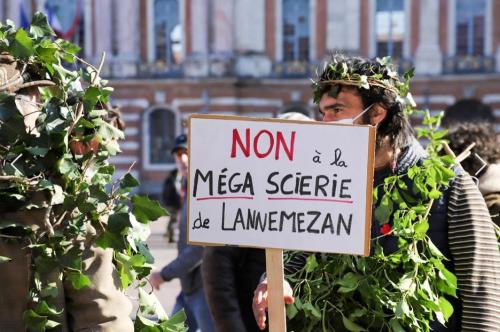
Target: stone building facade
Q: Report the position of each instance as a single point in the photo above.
(168, 59)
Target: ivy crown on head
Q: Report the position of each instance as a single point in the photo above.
(363, 74)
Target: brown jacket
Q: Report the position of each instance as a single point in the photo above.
(100, 307)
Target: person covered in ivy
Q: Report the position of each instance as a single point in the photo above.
(99, 306)
(363, 91)
(187, 265)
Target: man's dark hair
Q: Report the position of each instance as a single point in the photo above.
(467, 110)
(381, 87)
(461, 135)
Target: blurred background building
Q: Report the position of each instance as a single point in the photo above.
(168, 59)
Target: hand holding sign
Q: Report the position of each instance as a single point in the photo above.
(260, 301)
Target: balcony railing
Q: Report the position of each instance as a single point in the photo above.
(159, 70)
(468, 64)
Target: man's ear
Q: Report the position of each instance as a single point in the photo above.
(377, 115)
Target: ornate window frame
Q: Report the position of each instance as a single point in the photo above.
(372, 33)
(279, 30)
(150, 30)
(147, 165)
(452, 28)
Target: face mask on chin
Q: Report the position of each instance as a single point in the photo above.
(350, 121)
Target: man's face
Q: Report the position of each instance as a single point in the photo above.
(346, 105)
(182, 161)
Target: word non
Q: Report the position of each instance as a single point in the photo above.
(271, 141)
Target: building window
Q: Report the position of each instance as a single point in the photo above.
(295, 30)
(167, 33)
(470, 27)
(161, 129)
(66, 17)
(390, 28)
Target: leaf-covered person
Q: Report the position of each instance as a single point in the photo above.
(98, 306)
(363, 91)
(187, 265)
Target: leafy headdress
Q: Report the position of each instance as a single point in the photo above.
(343, 71)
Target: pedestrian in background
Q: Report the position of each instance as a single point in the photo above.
(187, 265)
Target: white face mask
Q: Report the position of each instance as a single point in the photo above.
(351, 120)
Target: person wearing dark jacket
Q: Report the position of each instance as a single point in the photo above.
(171, 196)
(230, 274)
(187, 265)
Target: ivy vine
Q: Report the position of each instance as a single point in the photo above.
(65, 160)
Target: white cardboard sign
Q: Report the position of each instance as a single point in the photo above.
(272, 183)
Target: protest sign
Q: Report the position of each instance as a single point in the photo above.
(280, 184)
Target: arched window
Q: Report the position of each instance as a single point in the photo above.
(390, 28)
(167, 33)
(295, 30)
(161, 128)
(470, 27)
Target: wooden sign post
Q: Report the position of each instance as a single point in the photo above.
(275, 277)
(277, 184)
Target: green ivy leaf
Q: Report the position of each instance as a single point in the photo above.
(351, 326)
(129, 181)
(110, 240)
(177, 319)
(395, 326)
(77, 279)
(34, 321)
(23, 45)
(384, 210)
(40, 27)
(149, 304)
(4, 259)
(14, 229)
(402, 309)
(291, 311)
(44, 309)
(311, 263)
(434, 194)
(446, 308)
(421, 227)
(308, 307)
(118, 222)
(145, 209)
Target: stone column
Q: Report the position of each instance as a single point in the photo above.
(223, 20)
(103, 32)
(197, 64)
(249, 26)
(249, 39)
(199, 26)
(497, 59)
(126, 38)
(428, 58)
(343, 25)
(222, 29)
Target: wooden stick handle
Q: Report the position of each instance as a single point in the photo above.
(275, 277)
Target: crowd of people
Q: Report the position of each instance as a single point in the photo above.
(225, 288)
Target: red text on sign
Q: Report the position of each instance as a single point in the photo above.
(264, 142)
